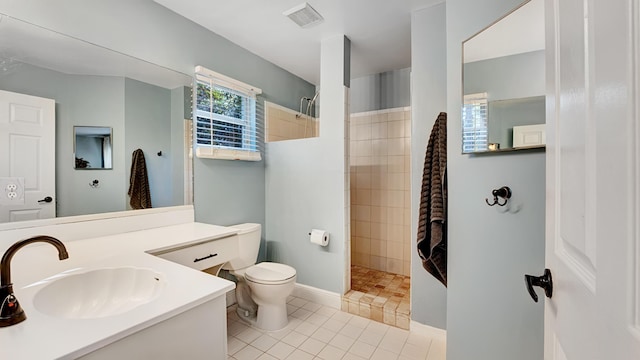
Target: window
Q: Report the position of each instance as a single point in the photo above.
(474, 123)
(227, 123)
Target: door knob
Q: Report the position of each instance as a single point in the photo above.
(47, 199)
(545, 281)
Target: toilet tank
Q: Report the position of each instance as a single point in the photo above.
(248, 246)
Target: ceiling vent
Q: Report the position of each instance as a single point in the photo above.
(304, 15)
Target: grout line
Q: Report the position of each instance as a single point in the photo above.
(391, 340)
(374, 302)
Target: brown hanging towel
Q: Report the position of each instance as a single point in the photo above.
(139, 182)
(432, 227)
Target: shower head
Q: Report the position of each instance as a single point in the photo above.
(312, 102)
(315, 96)
(302, 99)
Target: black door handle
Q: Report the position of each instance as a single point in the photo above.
(545, 281)
(47, 199)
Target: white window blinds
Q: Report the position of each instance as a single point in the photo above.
(228, 118)
(475, 134)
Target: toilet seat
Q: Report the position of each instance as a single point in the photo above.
(270, 273)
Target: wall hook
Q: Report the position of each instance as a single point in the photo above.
(159, 153)
(504, 193)
(95, 183)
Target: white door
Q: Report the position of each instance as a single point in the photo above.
(27, 157)
(593, 189)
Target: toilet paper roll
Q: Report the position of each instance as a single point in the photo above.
(319, 237)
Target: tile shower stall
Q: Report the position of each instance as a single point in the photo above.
(381, 243)
(286, 124)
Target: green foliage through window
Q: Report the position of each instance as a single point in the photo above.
(225, 117)
(219, 100)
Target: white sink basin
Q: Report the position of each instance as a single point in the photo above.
(98, 293)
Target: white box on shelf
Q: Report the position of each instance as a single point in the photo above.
(529, 135)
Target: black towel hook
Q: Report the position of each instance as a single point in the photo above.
(504, 193)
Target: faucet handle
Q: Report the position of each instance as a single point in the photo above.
(12, 301)
(10, 310)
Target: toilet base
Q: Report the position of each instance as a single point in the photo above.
(272, 317)
(244, 300)
(246, 317)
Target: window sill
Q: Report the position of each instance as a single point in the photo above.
(532, 148)
(227, 154)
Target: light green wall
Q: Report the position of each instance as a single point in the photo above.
(140, 117)
(391, 89)
(490, 315)
(180, 110)
(306, 186)
(429, 98)
(507, 77)
(148, 127)
(226, 192)
(80, 101)
(505, 114)
(89, 148)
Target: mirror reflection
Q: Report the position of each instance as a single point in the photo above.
(142, 105)
(92, 147)
(504, 83)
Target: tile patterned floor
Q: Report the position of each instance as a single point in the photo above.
(320, 332)
(379, 296)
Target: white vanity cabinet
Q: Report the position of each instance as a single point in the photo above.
(204, 254)
(196, 334)
(187, 319)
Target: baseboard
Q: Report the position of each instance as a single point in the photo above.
(310, 293)
(430, 331)
(318, 296)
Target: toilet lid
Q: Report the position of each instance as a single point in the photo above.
(269, 272)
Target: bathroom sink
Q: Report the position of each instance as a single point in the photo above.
(98, 293)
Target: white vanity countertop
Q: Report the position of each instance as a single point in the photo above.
(46, 337)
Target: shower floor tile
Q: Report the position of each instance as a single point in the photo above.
(379, 296)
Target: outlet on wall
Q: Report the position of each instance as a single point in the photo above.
(11, 191)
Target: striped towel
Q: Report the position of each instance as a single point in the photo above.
(139, 182)
(432, 227)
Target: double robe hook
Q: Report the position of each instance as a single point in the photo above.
(502, 193)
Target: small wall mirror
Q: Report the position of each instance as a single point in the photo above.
(92, 147)
(504, 83)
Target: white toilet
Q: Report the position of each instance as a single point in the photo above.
(269, 284)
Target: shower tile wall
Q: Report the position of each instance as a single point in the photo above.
(285, 124)
(380, 203)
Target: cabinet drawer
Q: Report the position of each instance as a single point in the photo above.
(204, 255)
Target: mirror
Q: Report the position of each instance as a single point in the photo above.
(102, 94)
(504, 83)
(92, 147)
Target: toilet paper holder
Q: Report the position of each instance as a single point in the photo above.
(319, 237)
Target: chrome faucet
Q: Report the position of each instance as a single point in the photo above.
(11, 312)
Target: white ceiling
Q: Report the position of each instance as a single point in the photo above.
(380, 30)
(518, 32)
